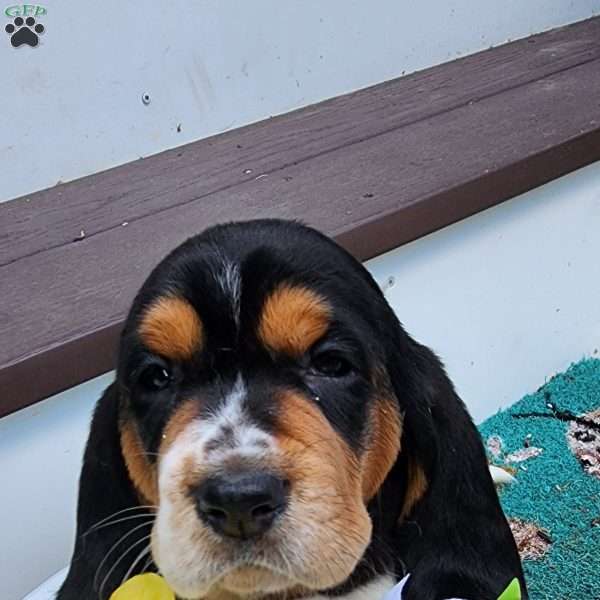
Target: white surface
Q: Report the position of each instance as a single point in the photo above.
(506, 298)
(73, 105)
(48, 589)
(40, 457)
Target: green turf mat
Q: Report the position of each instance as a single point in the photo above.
(553, 489)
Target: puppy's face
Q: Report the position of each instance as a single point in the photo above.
(257, 414)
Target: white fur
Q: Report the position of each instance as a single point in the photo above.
(374, 590)
(249, 441)
(202, 436)
(230, 281)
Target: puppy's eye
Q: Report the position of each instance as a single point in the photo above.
(155, 378)
(331, 365)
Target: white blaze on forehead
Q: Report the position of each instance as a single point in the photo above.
(227, 433)
(230, 431)
(230, 281)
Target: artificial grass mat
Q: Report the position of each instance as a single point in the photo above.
(553, 490)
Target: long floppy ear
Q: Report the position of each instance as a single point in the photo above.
(106, 515)
(452, 535)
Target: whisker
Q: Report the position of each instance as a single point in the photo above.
(148, 506)
(286, 561)
(103, 525)
(135, 563)
(146, 454)
(110, 572)
(112, 549)
(148, 563)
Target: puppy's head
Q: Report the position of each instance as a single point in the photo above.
(257, 410)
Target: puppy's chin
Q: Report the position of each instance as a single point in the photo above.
(240, 582)
(249, 581)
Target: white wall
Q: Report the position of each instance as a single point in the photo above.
(73, 105)
(506, 297)
(40, 456)
(510, 296)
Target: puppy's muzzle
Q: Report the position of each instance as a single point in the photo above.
(241, 505)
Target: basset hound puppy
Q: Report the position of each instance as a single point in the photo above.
(273, 433)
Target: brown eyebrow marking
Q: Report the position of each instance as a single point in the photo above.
(172, 328)
(293, 318)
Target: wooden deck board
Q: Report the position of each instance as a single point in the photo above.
(376, 169)
(94, 204)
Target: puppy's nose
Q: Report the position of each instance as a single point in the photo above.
(242, 505)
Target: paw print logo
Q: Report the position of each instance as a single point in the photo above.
(24, 32)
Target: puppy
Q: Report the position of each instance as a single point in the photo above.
(273, 433)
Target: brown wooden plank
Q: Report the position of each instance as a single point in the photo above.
(61, 308)
(95, 204)
(58, 368)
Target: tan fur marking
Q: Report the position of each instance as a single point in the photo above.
(384, 446)
(172, 328)
(293, 319)
(308, 441)
(141, 472)
(415, 489)
(326, 487)
(179, 420)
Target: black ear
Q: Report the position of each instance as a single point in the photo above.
(451, 533)
(106, 495)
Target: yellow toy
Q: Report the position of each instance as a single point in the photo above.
(148, 586)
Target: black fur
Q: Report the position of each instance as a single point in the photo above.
(104, 489)
(456, 542)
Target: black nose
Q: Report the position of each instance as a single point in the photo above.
(242, 505)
